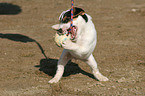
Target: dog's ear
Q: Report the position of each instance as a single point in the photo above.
(85, 17)
(79, 11)
(56, 27)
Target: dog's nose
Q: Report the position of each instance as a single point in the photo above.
(59, 30)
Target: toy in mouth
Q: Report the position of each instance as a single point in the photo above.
(65, 34)
(72, 32)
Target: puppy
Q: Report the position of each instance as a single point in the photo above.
(82, 45)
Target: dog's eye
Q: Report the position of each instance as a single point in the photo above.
(66, 20)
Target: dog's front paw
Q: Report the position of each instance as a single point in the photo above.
(53, 80)
(67, 44)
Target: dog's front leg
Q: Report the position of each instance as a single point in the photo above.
(65, 57)
(76, 48)
(93, 64)
(69, 45)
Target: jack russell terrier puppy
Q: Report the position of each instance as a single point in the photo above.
(82, 45)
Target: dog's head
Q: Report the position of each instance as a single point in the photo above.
(65, 16)
(79, 18)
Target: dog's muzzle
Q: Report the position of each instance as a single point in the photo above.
(72, 32)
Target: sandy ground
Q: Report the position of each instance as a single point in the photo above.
(26, 39)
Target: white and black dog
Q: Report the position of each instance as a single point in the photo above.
(83, 44)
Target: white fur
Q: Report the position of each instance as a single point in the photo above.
(81, 49)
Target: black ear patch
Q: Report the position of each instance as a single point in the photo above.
(85, 17)
(76, 12)
(79, 11)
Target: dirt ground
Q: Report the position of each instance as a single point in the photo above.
(26, 39)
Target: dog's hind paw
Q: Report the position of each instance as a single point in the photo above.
(100, 77)
(53, 80)
(103, 78)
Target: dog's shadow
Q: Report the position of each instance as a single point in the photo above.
(23, 39)
(49, 66)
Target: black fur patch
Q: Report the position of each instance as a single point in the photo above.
(85, 17)
(77, 11)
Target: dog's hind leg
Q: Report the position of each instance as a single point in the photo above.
(93, 64)
(65, 57)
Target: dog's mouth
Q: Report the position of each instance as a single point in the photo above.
(72, 31)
